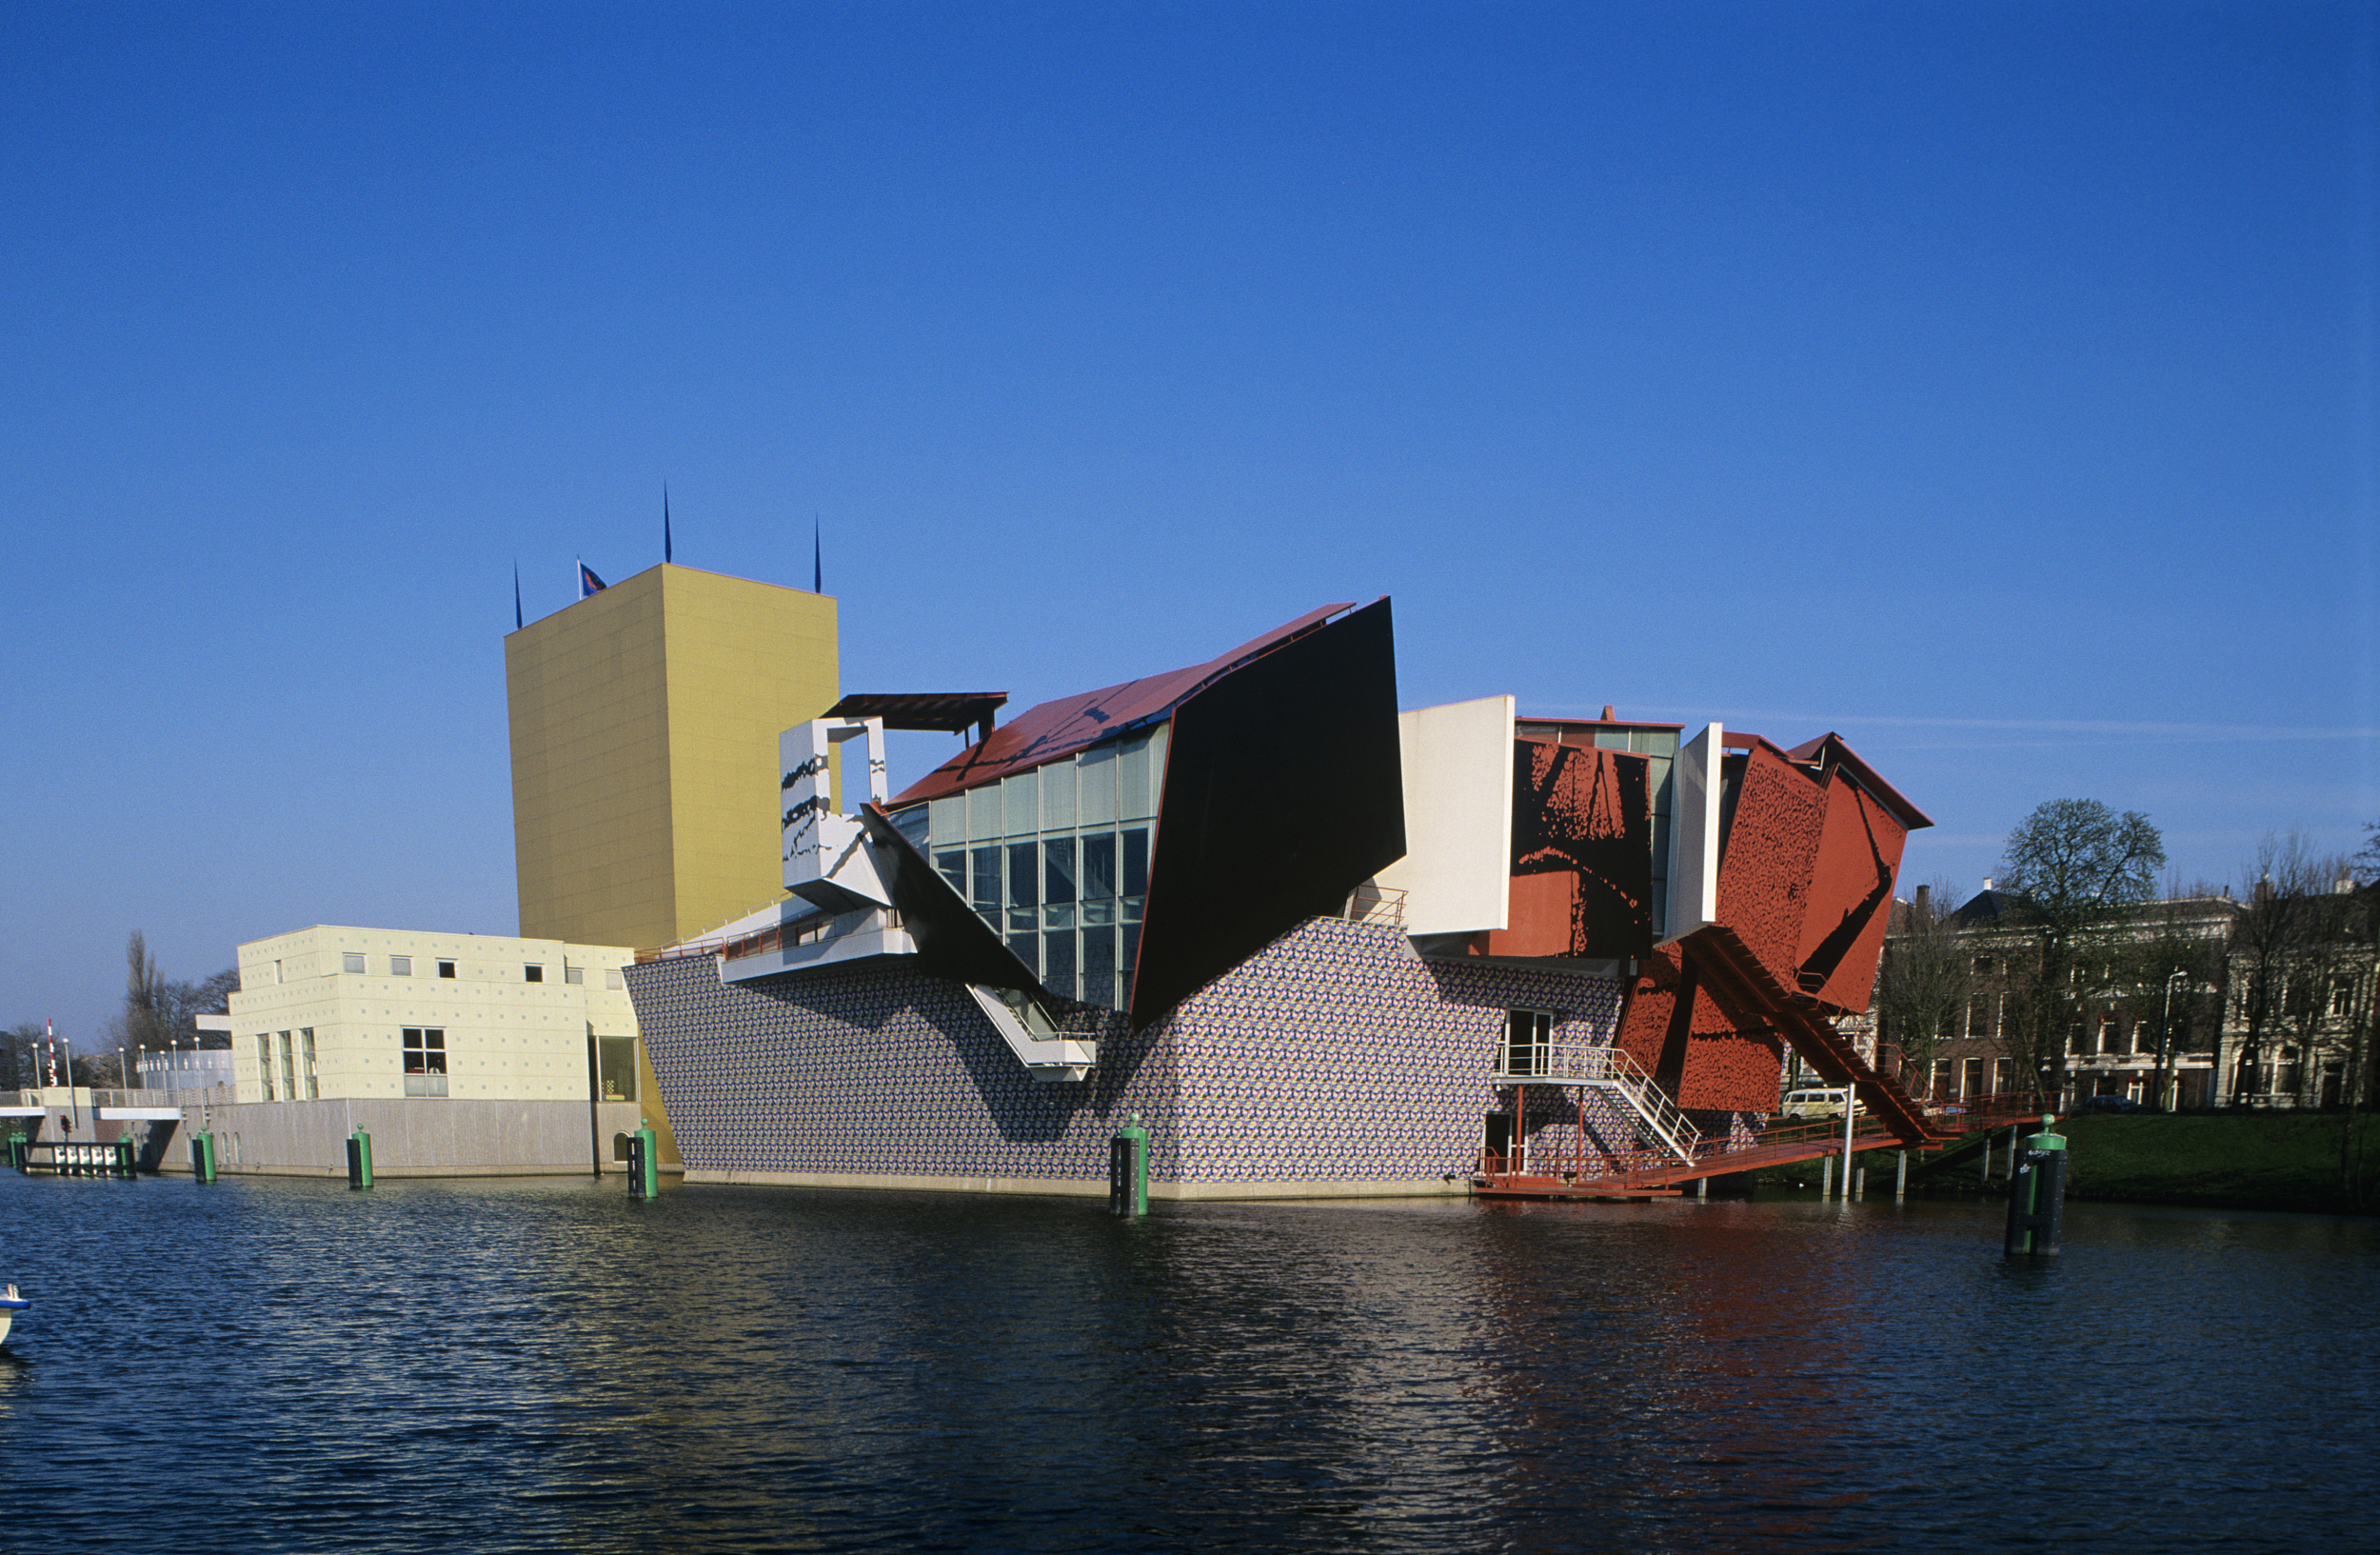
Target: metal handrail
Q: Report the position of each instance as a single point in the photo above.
(1602, 1064)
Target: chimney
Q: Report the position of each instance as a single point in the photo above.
(1987, 882)
(1924, 896)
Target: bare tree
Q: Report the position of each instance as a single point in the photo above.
(160, 1013)
(2076, 869)
(1926, 977)
(2160, 974)
(2275, 949)
(20, 1063)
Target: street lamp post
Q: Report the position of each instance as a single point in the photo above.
(2165, 1038)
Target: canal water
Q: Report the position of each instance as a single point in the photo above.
(274, 1365)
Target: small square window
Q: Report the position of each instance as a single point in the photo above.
(351, 961)
(400, 965)
(445, 969)
(574, 974)
(612, 978)
(533, 973)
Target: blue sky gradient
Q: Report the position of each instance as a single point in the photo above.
(1991, 383)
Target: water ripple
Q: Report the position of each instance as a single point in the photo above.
(541, 1364)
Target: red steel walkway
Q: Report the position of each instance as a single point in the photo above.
(1651, 1175)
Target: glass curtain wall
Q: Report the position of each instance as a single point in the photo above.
(1057, 861)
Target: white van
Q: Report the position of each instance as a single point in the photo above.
(1818, 1102)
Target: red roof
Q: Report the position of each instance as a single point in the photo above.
(1829, 750)
(1071, 724)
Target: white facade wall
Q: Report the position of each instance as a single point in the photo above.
(1456, 872)
(505, 1037)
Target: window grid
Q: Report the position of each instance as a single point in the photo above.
(1056, 859)
(425, 1060)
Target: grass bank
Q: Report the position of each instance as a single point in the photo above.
(2253, 1161)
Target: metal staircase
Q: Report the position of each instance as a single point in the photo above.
(1602, 1067)
(1723, 958)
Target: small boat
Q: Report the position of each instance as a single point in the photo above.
(10, 1305)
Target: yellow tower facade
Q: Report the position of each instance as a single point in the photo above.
(644, 722)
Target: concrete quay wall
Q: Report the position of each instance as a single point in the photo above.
(412, 1137)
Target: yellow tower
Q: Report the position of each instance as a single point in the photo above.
(644, 722)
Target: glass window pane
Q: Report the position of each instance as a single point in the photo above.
(1099, 967)
(946, 820)
(912, 824)
(1136, 880)
(982, 812)
(1058, 870)
(984, 866)
(1058, 963)
(1158, 737)
(1099, 867)
(1020, 793)
(953, 866)
(1132, 779)
(1129, 953)
(1095, 774)
(1021, 875)
(1057, 796)
(1027, 948)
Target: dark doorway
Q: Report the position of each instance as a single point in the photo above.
(1499, 1140)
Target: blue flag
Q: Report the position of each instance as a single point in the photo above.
(589, 583)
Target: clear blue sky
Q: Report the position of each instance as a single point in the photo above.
(1993, 384)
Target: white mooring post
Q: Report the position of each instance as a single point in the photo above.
(1900, 1177)
(1826, 1177)
(1850, 1114)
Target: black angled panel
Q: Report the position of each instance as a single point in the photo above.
(952, 941)
(1284, 790)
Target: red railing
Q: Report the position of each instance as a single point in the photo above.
(1555, 1168)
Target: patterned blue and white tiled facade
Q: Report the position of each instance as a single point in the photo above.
(1331, 1056)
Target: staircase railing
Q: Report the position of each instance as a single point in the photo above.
(1605, 1068)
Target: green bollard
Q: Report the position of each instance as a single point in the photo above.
(127, 1159)
(2037, 1195)
(1129, 1169)
(359, 1160)
(643, 1161)
(203, 1157)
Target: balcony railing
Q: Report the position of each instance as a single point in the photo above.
(1370, 903)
